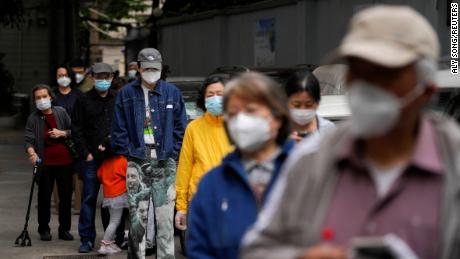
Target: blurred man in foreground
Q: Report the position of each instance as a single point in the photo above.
(392, 173)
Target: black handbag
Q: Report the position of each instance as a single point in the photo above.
(70, 145)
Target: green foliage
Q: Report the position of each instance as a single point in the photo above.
(118, 9)
(180, 7)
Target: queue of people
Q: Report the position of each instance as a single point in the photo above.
(388, 179)
(261, 174)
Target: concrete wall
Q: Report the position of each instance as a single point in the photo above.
(197, 47)
(113, 56)
(305, 32)
(46, 39)
(27, 54)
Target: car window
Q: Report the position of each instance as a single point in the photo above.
(190, 93)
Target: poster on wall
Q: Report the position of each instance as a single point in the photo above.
(264, 43)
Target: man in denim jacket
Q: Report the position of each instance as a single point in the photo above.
(148, 127)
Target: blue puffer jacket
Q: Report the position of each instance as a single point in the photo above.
(224, 207)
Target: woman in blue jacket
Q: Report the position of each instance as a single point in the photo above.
(230, 196)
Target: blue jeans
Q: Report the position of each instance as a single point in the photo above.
(86, 225)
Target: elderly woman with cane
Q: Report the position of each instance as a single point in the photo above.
(46, 130)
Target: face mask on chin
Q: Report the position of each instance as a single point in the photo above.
(249, 132)
(376, 111)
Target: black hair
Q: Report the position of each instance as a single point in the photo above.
(77, 63)
(200, 102)
(301, 81)
(117, 83)
(70, 74)
(165, 71)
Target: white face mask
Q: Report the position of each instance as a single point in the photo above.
(151, 77)
(64, 81)
(43, 104)
(132, 73)
(374, 110)
(249, 132)
(79, 77)
(303, 116)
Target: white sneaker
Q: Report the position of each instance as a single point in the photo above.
(115, 247)
(108, 248)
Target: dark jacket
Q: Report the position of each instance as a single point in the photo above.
(91, 122)
(168, 120)
(67, 101)
(224, 207)
(35, 126)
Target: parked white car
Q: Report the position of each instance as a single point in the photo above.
(189, 87)
(334, 107)
(334, 104)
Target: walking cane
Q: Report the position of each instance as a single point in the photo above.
(24, 238)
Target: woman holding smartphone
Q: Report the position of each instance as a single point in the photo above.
(303, 92)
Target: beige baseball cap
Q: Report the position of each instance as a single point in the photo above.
(388, 35)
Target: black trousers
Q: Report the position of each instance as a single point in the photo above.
(120, 233)
(63, 177)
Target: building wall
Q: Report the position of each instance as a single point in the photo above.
(305, 32)
(26, 54)
(195, 48)
(46, 39)
(114, 56)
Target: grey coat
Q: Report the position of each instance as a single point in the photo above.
(35, 126)
(291, 221)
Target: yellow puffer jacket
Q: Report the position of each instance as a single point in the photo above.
(205, 144)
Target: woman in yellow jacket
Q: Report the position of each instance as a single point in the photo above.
(205, 144)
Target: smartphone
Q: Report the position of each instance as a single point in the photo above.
(302, 134)
(371, 248)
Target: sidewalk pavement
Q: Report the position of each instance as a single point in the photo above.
(15, 180)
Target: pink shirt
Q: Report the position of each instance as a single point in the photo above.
(411, 209)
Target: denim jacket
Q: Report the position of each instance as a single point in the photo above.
(167, 110)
